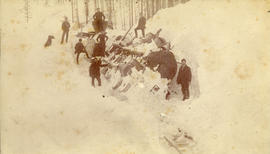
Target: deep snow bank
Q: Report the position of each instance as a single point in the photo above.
(218, 36)
(229, 42)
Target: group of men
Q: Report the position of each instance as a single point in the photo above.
(99, 51)
(184, 73)
(99, 19)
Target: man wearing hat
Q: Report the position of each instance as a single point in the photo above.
(99, 18)
(101, 39)
(184, 78)
(79, 48)
(94, 70)
(141, 25)
(65, 28)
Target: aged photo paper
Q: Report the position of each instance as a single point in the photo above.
(135, 76)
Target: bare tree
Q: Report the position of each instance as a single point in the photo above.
(170, 3)
(109, 5)
(72, 9)
(109, 10)
(153, 8)
(147, 9)
(121, 13)
(130, 12)
(102, 5)
(75, 5)
(142, 6)
(113, 13)
(95, 4)
(86, 2)
(27, 10)
(46, 2)
(184, 1)
(158, 5)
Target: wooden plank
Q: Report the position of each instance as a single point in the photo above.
(172, 145)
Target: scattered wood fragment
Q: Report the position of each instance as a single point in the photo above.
(172, 145)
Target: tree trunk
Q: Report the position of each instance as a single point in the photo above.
(26, 8)
(147, 9)
(121, 13)
(77, 13)
(170, 3)
(158, 5)
(176, 2)
(95, 5)
(129, 12)
(132, 13)
(114, 14)
(86, 11)
(102, 5)
(142, 7)
(46, 2)
(153, 8)
(110, 10)
(72, 10)
(124, 13)
(164, 3)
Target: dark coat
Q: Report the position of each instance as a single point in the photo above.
(99, 16)
(165, 61)
(98, 50)
(65, 26)
(102, 38)
(142, 22)
(94, 69)
(79, 47)
(184, 75)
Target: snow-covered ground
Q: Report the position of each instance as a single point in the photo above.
(49, 106)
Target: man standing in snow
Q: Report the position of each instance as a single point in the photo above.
(94, 70)
(79, 48)
(99, 18)
(141, 25)
(184, 78)
(65, 28)
(101, 39)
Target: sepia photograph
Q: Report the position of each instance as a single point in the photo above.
(135, 77)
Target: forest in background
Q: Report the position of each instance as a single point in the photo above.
(121, 14)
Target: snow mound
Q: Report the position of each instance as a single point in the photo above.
(227, 45)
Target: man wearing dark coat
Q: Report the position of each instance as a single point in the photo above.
(79, 48)
(65, 28)
(101, 39)
(98, 51)
(94, 71)
(141, 25)
(99, 18)
(184, 78)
